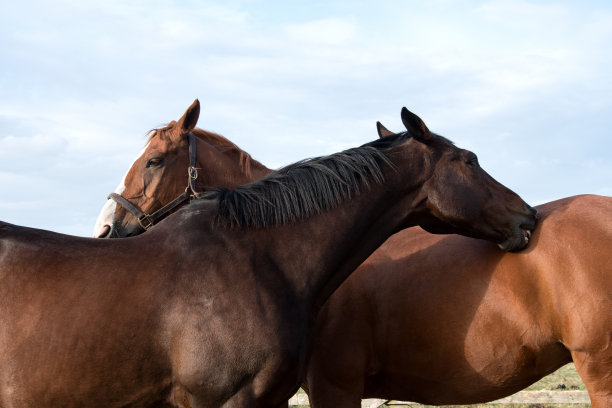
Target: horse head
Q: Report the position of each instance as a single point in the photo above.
(178, 162)
(461, 197)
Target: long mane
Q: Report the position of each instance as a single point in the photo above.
(303, 189)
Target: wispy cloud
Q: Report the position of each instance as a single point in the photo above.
(325, 32)
(524, 84)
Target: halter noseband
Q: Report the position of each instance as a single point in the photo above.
(146, 221)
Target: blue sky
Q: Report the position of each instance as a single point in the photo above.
(524, 84)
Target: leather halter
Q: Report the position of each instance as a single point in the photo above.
(146, 221)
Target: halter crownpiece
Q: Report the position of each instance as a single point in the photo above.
(145, 220)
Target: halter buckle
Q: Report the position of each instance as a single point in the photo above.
(145, 221)
(192, 172)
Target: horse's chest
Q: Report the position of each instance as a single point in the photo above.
(217, 356)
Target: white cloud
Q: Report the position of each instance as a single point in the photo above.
(83, 81)
(329, 31)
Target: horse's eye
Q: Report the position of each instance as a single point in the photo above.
(473, 161)
(155, 162)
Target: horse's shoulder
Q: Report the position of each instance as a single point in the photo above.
(574, 205)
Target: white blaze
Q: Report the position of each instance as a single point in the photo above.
(105, 219)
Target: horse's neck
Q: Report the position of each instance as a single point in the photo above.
(232, 168)
(318, 254)
(258, 170)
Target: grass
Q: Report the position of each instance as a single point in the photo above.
(565, 378)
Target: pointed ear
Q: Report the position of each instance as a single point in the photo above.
(383, 131)
(415, 126)
(190, 118)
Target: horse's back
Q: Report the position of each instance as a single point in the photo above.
(26, 253)
(581, 212)
(16, 240)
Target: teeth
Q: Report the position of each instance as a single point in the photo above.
(527, 235)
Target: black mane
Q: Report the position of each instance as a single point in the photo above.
(303, 189)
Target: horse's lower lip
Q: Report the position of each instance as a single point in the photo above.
(516, 243)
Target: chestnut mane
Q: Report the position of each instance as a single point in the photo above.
(219, 142)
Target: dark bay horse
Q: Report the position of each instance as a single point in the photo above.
(452, 320)
(213, 306)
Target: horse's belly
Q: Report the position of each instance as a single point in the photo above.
(485, 374)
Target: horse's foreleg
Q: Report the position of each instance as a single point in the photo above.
(601, 401)
(596, 372)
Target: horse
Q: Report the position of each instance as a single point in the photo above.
(214, 305)
(449, 320)
(444, 319)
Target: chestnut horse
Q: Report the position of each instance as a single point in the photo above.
(213, 306)
(449, 320)
(452, 320)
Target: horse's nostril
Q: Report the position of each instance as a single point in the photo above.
(104, 232)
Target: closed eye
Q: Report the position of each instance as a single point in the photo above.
(155, 162)
(473, 161)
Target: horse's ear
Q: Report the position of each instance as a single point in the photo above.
(415, 126)
(188, 121)
(383, 131)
